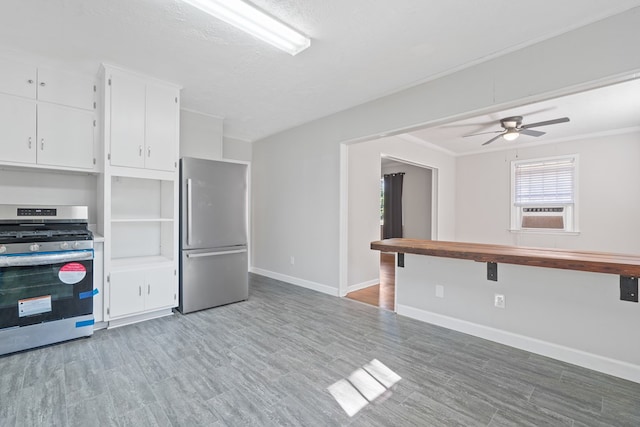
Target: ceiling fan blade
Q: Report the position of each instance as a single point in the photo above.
(531, 132)
(483, 133)
(546, 123)
(492, 139)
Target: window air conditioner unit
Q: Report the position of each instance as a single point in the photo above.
(545, 217)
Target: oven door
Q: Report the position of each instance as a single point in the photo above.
(36, 288)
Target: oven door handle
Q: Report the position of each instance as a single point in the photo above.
(45, 258)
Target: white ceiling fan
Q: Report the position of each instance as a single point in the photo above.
(512, 127)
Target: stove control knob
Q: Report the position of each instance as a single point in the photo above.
(34, 247)
(64, 245)
(3, 249)
(76, 245)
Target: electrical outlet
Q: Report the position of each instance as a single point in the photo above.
(439, 291)
(292, 260)
(499, 300)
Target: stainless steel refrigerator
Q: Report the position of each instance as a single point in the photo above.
(213, 234)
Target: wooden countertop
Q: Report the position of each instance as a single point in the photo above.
(598, 262)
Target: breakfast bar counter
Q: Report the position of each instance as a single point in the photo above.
(597, 262)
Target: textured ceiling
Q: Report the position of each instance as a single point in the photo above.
(361, 49)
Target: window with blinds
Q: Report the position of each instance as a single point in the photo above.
(543, 194)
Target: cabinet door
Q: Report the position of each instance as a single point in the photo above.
(161, 288)
(125, 292)
(162, 116)
(65, 136)
(18, 79)
(64, 88)
(127, 120)
(17, 129)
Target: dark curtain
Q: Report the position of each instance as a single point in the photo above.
(392, 218)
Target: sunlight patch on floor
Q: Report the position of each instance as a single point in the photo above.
(363, 386)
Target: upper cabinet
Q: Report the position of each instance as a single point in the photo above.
(18, 79)
(142, 122)
(66, 89)
(47, 118)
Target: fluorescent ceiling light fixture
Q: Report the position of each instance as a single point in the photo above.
(255, 22)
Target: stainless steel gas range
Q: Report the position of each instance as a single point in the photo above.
(46, 275)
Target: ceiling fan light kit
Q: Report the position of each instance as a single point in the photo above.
(511, 135)
(255, 22)
(513, 127)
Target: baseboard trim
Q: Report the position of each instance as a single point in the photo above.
(606, 365)
(362, 285)
(129, 320)
(319, 287)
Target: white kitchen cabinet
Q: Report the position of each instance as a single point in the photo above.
(98, 277)
(161, 288)
(18, 79)
(126, 292)
(142, 120)
(65, 137)
(47, 117)
(140, 196)
(17, 129)
(126, 119)
(137, 290)
(141, 232)
(162, 132)
(72, 90)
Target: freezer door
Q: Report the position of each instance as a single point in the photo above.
(209, 278)
(213, 204)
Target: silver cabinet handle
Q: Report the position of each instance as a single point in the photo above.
(149, 289)
(42, 144)
(30, 81)
(149, 152)
(139, 150)
(139, 291)
(189, 211)
(43, 84)
(30, 142)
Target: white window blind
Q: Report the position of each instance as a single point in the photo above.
(545, 182)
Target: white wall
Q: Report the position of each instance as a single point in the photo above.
(36, 187)
(574, 316)
(416, 199)
(236, 149)
(200, 135)
(296, 173)
(364, 200)
(608, 196)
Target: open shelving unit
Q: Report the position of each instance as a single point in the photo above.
(139, 196)
(142, 221)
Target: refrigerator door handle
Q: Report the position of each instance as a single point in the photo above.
(189, 211)
(206, 254)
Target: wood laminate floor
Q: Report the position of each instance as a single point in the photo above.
(269, 361)
(383, 294)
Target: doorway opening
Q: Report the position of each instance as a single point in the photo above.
(410, 207)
